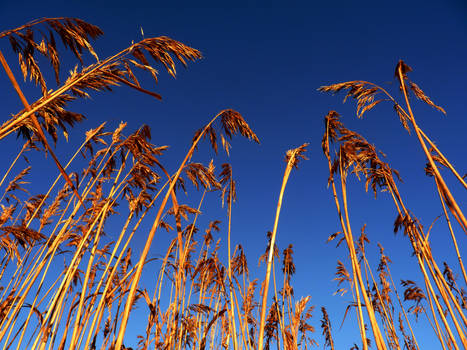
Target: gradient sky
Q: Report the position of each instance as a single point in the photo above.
(266, 60)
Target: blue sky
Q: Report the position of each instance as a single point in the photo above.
(266, 60)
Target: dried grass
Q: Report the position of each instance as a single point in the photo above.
(66, 285)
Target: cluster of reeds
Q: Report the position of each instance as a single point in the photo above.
(65, 283)
(349, 153)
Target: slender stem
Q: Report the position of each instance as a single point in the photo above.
(285, 178)
(232, 309)
(452, 204)
(344, 229)
(456, 247)
(25, 146)
(449, 165)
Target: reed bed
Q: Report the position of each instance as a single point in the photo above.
(66, 285)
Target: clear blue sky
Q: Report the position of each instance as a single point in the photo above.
(266, 60)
